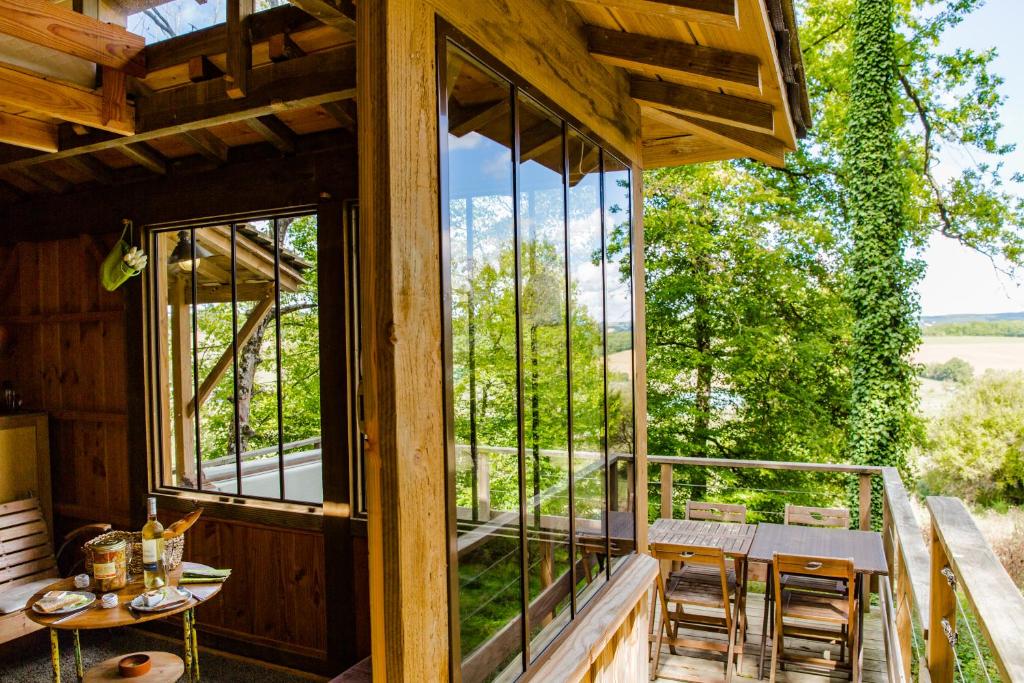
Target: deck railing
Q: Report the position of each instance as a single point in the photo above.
(919, 599)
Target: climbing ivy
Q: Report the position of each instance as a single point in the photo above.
(885, 331)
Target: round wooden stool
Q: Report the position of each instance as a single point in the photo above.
(167, 668)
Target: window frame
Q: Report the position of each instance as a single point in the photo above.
(297, 513)
(446, 34)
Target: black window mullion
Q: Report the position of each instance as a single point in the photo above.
(277, 351)
(521, 442)
(195, 361)
(234, 357)
(604, 366)
(568, 370)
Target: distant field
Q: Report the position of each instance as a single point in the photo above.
(983, 353)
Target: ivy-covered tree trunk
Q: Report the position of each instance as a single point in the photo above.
(885, 330)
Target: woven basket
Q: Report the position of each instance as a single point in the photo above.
(173, 549)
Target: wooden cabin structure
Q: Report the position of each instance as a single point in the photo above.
(405, 175)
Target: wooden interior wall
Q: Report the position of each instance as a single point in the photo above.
(76, 355)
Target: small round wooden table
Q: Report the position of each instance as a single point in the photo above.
(97, 617)
(167, 668)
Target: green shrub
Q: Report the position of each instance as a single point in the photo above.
(953, 370)
(974, 449)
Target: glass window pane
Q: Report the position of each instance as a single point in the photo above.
(300, 359)
(157, 21)
(545, 369)
(587, 353)
(619, 346)
(484, 368)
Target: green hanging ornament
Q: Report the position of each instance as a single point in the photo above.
(124, 261)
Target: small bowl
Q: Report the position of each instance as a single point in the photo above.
(134, 666)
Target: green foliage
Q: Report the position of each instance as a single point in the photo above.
(885, 331)
(977, 328)
(975, 447)
(953, 370)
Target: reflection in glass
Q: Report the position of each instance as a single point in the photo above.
(619, 347)
(484, 367)
(587, 353)
(545, 369)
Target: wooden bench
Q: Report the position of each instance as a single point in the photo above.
(27, 561)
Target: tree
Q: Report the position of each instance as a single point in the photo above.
(885, 331)
(953, 370)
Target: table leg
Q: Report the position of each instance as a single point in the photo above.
(769, 586)
(55, 655)
(188, 643)
(195, 642)
(79, 669)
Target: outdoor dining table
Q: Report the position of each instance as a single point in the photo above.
(735, 540)
(863, 547)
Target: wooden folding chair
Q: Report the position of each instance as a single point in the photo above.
(812, 616)
(716, 512)
(833, 518)
(694, 604)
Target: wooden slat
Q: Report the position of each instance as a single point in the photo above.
(15, 524)
(704, 104)
(714, 12)
(39, 538)
(18, 506)
(995, 599)
(25, 91)
(43, 23)
(27, 569)
(704, 65)
(11, 557)
(26, 132)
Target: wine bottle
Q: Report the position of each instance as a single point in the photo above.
(154, 574)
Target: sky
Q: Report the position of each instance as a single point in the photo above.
(959, 280)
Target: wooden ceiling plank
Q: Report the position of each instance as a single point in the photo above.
(274, 131)
(685, 149)
(239, 63)
(144, 155)
(42, 23)
(672, 57)
(764, 148)
(25, 132)
(19, 89)
(705, 104)
(714, 12)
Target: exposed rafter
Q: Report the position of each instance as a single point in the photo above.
(694, 63)
(684, 149)
(26, 91)
(25, 132)
(704, 104)
(758, 146)
(715, 12)
(341, 14)
(274, 131)
(43, 23)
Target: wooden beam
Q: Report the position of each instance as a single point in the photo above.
(47, 178)
(145, 156)
(344, 112)
(704, 104)
(296, 84)
(274, 131)
(220, 367)
(200, 68)
(42, 23)
(22, 90)
(685, 149)
(714, 12)
(281, 47)
(468, 119)
(25, 132)
(93, 168)
(703, 65)
(239, 62)
(340, 14)
(764, 148)
(114, 94)
(208, 145)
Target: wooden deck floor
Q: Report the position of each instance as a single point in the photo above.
(710, 667)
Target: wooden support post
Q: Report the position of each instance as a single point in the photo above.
(483, 485)
(666, 491)
(236, 79)
(181, 376)
(864, 508)
(904, 619)
(942, 609)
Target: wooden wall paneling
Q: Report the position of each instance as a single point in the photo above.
(400, 250)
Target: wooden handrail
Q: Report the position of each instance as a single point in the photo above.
(765, 464)
(961, 557)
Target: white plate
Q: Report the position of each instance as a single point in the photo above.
(139, 606)
(67, 610)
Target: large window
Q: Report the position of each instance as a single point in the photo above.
(236, 368)
(539, 366)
